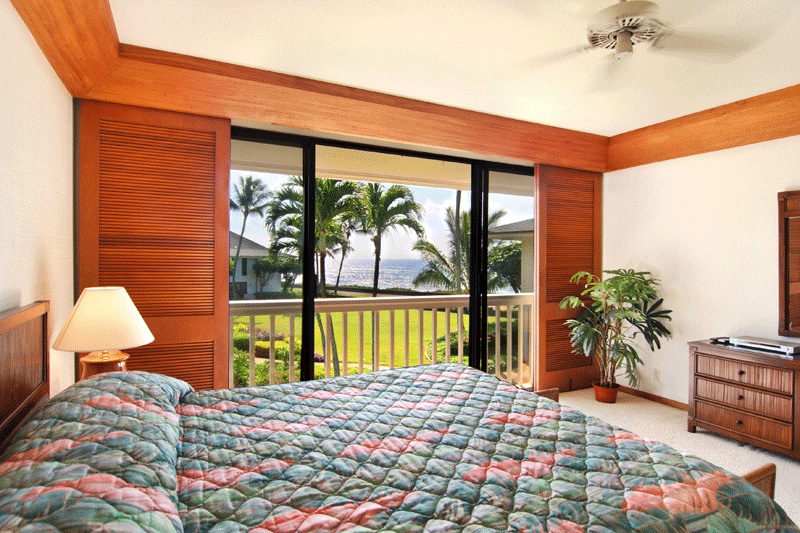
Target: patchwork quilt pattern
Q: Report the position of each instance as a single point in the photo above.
(435, 448)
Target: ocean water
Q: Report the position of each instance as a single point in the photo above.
(394, 274)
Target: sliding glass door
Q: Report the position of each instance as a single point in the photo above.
(348, 259)
(393, 284)
(510, 283)
(266, 258)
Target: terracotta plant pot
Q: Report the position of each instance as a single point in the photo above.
(605, 394)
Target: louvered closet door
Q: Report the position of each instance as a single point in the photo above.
(152, 216)
(568, 230)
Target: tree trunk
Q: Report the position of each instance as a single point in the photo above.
(339, 273)
(236, 258)
(321, 288)
(376, 272)
(334, 351)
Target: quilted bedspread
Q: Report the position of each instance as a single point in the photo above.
(434, 448)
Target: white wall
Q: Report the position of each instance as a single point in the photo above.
(707, 227)
(35, 184)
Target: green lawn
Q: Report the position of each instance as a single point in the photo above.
(354, 334)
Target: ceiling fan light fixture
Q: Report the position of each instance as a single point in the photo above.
(624, 46)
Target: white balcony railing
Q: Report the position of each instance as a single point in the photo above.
(354, 335)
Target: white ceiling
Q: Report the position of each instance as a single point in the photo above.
(495, 56)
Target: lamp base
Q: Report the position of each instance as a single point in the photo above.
(103, 361)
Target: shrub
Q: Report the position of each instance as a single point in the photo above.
(241, 369)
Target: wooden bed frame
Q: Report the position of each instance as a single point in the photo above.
(24, 365)
(25, 379)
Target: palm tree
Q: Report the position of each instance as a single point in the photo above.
(450, 269)
(345, 248)
(249, 196)
(336, 202)
(383, 210)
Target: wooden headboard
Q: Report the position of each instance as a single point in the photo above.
(24, 364)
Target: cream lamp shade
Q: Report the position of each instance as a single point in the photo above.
(103, 319)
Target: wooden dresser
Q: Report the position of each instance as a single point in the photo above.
(746, 395)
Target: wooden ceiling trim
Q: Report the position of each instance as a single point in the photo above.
(765, 117)
(78, 37)
(151, 78)
(80, 41)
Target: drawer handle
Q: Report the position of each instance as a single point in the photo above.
(741, 372)
(739, 422)
(741, 397)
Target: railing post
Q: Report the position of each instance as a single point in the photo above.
(376, 341)
(406, 343)
(231, 376)
(361, 342)
(252, 355)
(271, 349)
(391, 338)
(344, 343)
(292, 347)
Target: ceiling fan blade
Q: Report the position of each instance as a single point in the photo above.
(556, 56)
(701, 46)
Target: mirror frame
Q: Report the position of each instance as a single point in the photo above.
(788, 208)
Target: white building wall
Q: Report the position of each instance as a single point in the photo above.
(35, 184)
(707, 227)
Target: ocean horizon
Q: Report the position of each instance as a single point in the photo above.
(394, 273)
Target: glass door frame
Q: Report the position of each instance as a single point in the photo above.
(480, 169)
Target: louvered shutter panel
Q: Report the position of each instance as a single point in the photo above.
(152, 196)
(568, 229)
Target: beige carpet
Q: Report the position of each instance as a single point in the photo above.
(668, 425)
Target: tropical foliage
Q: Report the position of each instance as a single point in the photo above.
(250, 196)
(615, 310)
(336, 203)
(450, 269)
(384, 209)
(344, 208)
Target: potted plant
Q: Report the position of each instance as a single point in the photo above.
(615, 310)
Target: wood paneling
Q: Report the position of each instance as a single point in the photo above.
(78, 37)
(760, 118)
(168, 81)
(24, 364)
(560, 354)
(569, 232)
(188, 361)
(152, 196)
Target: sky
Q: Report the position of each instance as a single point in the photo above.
(397, 244)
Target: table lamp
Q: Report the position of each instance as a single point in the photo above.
(103, 322)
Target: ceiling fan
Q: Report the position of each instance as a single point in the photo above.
(621, 26)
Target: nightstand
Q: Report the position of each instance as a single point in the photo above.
(99, 362)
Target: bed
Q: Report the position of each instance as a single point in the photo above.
(432, 448)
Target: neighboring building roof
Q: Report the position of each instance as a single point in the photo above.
(249, 248)
(513, 231)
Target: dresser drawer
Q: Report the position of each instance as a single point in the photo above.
(776, 379)
(762, 403)
(772, 431)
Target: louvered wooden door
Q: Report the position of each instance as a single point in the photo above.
(152, 216)
(568, 230)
